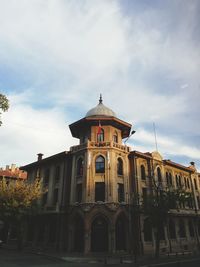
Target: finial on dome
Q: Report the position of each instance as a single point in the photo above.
(100, 99)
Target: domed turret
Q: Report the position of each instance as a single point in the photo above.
(100, 110)
(84, 128)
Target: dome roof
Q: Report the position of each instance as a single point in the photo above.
(100, 110)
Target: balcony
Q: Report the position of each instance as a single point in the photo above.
(93, 144)
(87, 206)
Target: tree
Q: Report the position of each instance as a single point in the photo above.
(4, 105)
(18, 199)
(157, 206)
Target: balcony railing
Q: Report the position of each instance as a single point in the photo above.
(93, 144)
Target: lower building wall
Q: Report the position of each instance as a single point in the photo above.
(184, 240)
(104, 228)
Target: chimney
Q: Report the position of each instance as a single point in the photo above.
(39, 156)
(192, 163)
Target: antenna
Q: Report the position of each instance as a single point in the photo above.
(154, 129)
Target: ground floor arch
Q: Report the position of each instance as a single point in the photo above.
(121, 234)
(99, 235)
(78, 234)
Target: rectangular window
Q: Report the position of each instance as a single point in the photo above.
(46, 176)
(44, 199)
(55, 196)
(120, 192)
(79, 193)
(99, 191)
(144, 195)
(57, 174)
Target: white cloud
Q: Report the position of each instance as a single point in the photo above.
(145, 64)
(145, 141)
(27, 131)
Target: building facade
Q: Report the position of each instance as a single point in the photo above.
(88, 206)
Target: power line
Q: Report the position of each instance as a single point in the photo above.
(154, 128)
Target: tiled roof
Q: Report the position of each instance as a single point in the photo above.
(13, 174)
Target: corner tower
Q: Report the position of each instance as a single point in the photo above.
(99, 182)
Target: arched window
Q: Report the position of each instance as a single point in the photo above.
(185, 182)
(100, 135)
(177, 181)
(115, 137)
(119, 166)
(188, 183)
(159, 175)
(170, 178)
(167, 178)
(143, 173)
(195, 184)
(79, 171)
(100, 164)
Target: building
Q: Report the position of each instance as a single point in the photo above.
(89, 203)
(10, 174)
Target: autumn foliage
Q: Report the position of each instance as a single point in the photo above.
(4, 105)
(18, 200)
(18, 197)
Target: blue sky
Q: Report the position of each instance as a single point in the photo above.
(57, 56)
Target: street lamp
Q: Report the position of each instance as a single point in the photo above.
(132, 132)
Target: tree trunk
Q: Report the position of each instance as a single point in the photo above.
(19, 236)
(157, 250)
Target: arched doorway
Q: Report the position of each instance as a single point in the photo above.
(120, 233)
(99, 235)
(78, 234)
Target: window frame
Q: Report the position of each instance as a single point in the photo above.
(79, 167)
(159, 175)
(115, 137)
(100, 192)
(120, 191)
(120, 169)
(100, 165)
(100, 136)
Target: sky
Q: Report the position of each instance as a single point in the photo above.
(57, 56)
